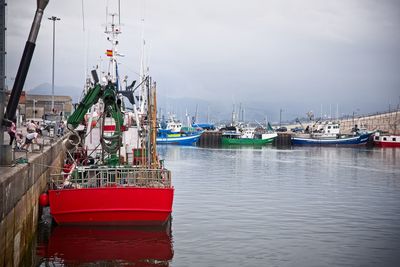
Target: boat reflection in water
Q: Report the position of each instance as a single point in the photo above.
(131, 246)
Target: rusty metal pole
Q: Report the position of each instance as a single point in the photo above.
(153, 100)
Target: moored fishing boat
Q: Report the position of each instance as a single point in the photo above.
(174, 133)
(112, 174)
(236, 139)
(329, 134)
(248, 136)
(386, 140)
(182, 138)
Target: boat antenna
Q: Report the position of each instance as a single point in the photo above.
(143, 69)
(106, 14)
(83, 17)
(119, 12)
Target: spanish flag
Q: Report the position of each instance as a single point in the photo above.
(109, 53)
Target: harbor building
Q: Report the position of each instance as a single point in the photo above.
(32, 106)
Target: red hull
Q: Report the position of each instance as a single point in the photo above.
(111, 205)
(387, 144)
(140, 247)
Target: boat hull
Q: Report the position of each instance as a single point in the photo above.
(347, 141)
(179, 140)
(245, 141)
(111, 206)
(387, 144)
(387, 141)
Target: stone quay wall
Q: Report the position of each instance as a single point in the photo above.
(20, 188)
(387, 122)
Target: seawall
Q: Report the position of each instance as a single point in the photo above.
(387, 122)
(20, 187)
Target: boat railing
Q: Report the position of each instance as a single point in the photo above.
(87, 177)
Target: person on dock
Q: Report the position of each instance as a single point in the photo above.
(61, 127)
(29, 139)
(12, 130)
(19, 139)
(31, 127)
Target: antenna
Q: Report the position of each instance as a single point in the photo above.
(119, 12)
(106, 15)
(83, 17)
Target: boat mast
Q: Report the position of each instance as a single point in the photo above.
(143, 75)
(112, 32)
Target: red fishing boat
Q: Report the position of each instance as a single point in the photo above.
(387, 140)
(118, 195)
(112, 174)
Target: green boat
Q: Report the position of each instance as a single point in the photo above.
(233, 138)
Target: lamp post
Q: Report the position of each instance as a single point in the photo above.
(54, 19)
(34, 108)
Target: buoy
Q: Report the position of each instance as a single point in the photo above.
(44, 200)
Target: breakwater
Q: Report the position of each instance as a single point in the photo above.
(387, 122)
(20, 187)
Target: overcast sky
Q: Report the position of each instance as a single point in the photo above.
(295, 55)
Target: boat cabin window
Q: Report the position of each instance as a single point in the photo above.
(394, 139)
(384, 138)
(329, 127)
(376, 137)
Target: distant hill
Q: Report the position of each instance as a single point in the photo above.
(45, 89)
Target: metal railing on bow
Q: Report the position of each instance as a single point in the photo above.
(89, 177)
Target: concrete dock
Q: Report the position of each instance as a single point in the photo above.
(20, 187)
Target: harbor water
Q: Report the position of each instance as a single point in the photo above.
(262, 206)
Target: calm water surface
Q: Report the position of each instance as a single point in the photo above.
(256, 207)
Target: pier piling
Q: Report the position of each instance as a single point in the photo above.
(283, 140)
(210, 139)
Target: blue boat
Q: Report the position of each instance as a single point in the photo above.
(172, 132)
(348, 140)
(183, 138)
(328, 134)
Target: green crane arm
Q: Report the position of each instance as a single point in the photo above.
(111, 144)
(108, 94)
(89, 100)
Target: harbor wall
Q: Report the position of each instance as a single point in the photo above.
(387, 122)
(20, 187)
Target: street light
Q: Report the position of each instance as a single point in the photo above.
(34, 108)
(53, 18)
